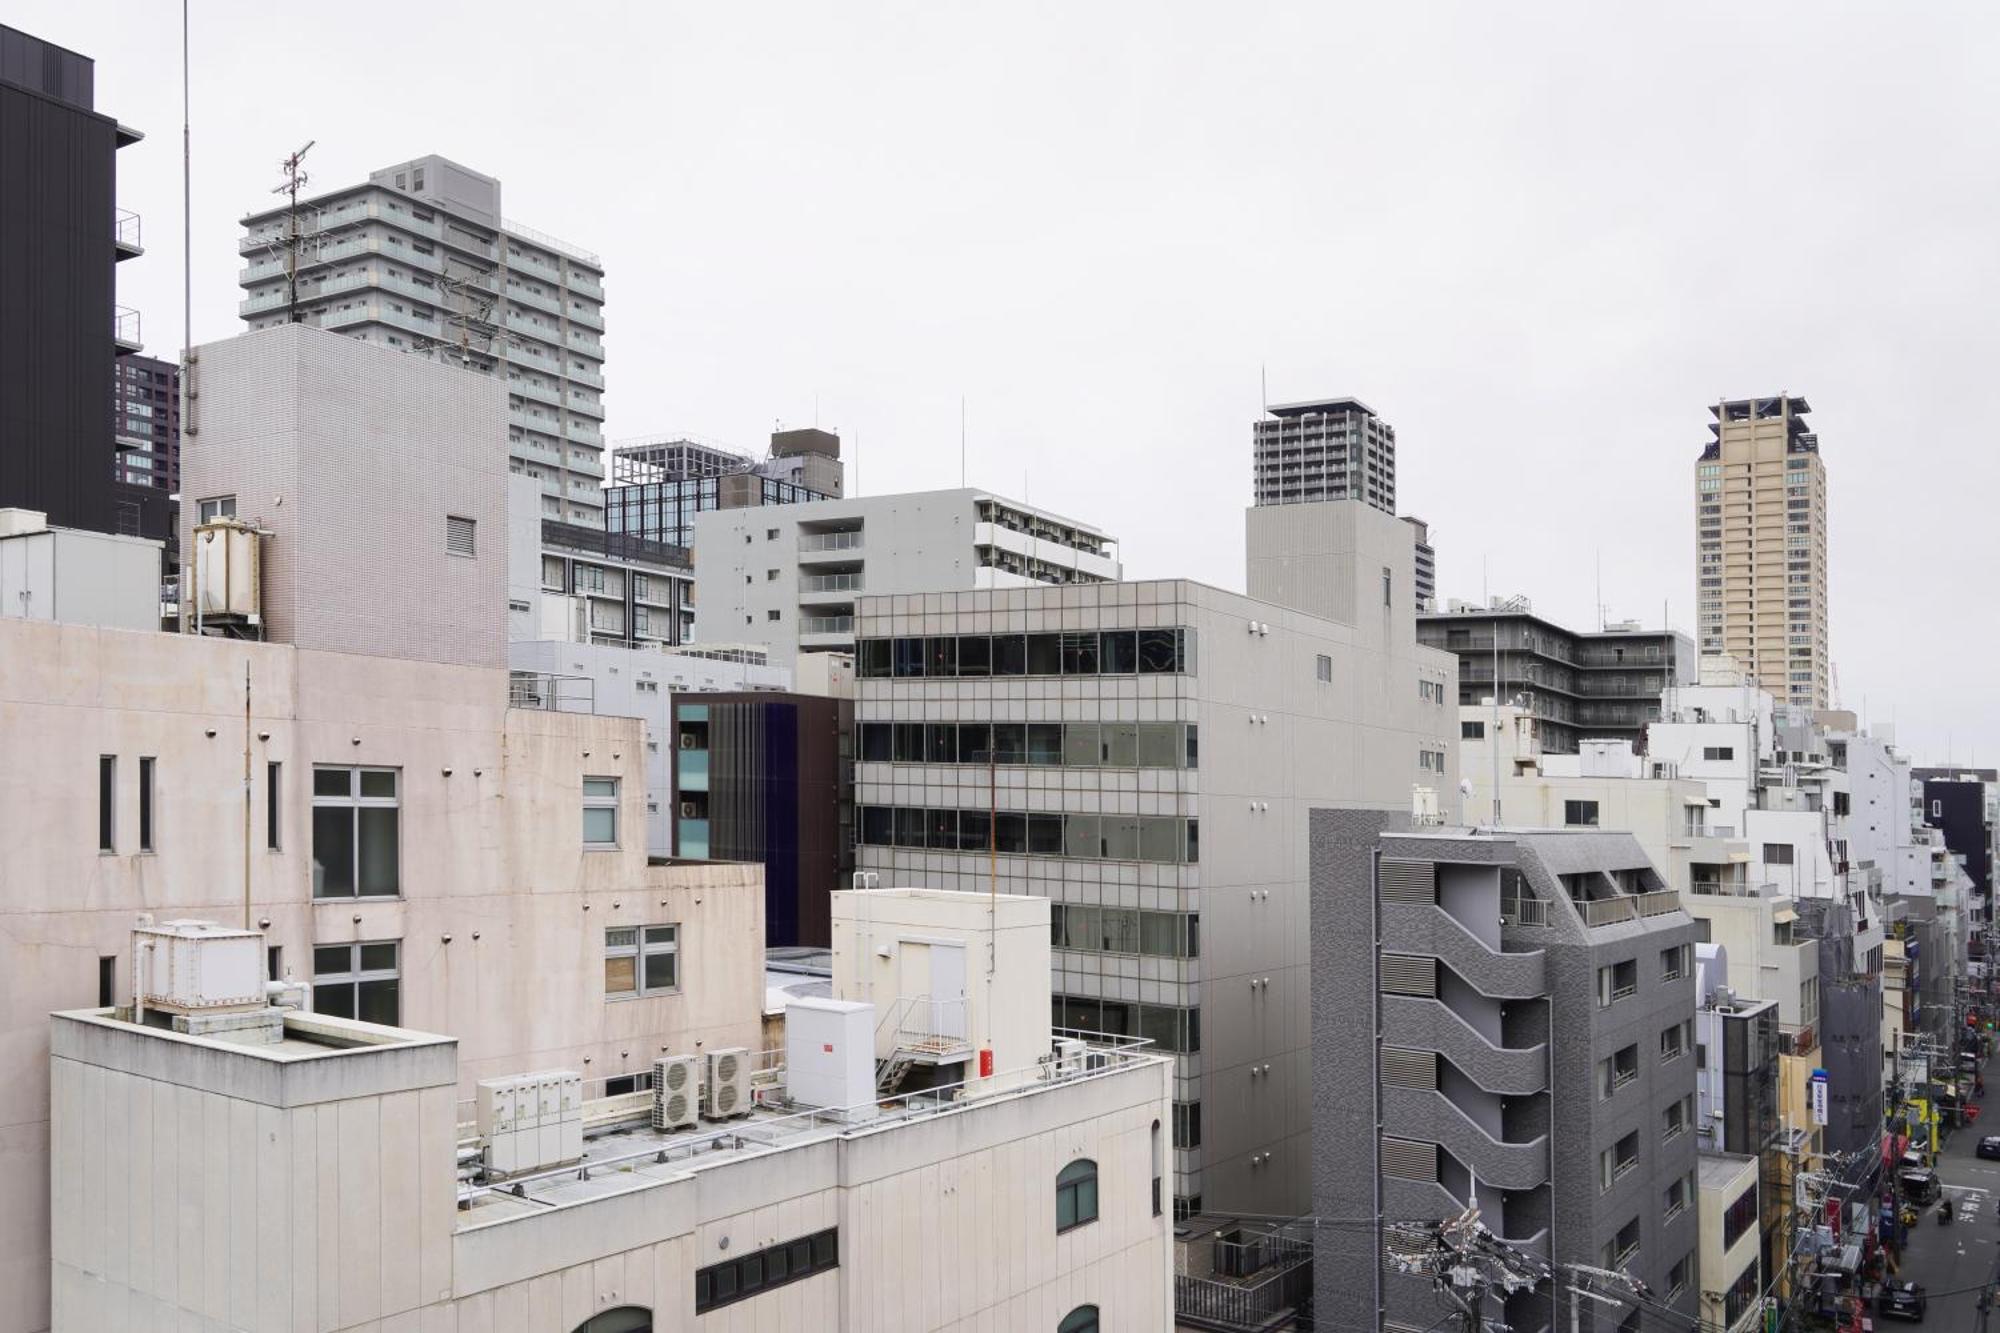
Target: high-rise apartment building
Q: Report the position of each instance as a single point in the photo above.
(146, 426)
(419, 257)
(1427, 568)
(1327, 449)
(1760, 542)
(63, 331)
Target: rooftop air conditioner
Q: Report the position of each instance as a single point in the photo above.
(1069, 1056)
(676, 1080)
(726, 1091)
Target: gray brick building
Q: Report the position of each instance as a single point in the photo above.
(1507, 1019)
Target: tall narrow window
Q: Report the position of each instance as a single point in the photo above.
(107, 980)
(1159, 1167)
(273, 786)
(600, 813)
(145, 803)
(274, 963)
(107, 802)
(1076, 1195)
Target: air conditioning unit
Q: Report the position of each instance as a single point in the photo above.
(726, 1090)
(1069, 1056)
(688, 742)
(689, 809)
(676, 1082)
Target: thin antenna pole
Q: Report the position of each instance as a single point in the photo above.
(961, 441)
(246, 794)
(187, 213)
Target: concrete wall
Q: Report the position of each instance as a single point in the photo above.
(351, 456)
(502, 913)
(1723, 1179)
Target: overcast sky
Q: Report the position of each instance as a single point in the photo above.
(1540, 239)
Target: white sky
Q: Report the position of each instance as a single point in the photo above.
(1539, 239)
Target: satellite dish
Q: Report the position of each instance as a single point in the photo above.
(1465, 786)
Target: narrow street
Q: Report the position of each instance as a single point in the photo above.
(1960, 1257)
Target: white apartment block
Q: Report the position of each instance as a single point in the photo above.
(379, 481)
(1145, 755)
(338, 1180)
(1327, 449)
(790, 575)
(417, 850)
(419, 258)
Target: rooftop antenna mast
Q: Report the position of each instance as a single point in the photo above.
(294, 178)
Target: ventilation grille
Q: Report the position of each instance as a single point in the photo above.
(1408, 974)
(1408, 1159)
(1413, 883)
(1405, 1068)
(458, 535)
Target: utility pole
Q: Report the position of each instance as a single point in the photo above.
(1464, 1261)
(294, 178)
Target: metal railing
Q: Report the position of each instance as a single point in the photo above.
(126, 228)
(830, 583)
(1243, 1277)
(551, 693)
(549, 242)
(1523, 912)
(830, 541)
(1607, 911)
(923, 1025)
(125, 324)
(1659, 902)
(826, 625)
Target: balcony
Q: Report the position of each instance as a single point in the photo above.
(1241, 1276)
(1433, 1025)
(125, 330)
(1419, 1114)
(848, 582)
(1434, 931)
(125, 235)
(825, 627)
(829, 545)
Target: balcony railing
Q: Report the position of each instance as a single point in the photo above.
(551, 693)
(829, 541)
(830, 583)
(1242, 1276)
(1659, 902)
(1523, 912)
(125, 326)
(126, 231)
(826, 625)
(1607, 911)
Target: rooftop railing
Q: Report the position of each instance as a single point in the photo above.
(551, 693)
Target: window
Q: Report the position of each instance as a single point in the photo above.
(1679, 1195)
(220, 506)
(1388, 582)
(1621, 1249)
(641, 960)
(146, 803)
(1580, 813)
(1741, 1215)
(1674, 1041)
(1679, 1275)
(1616, 982)
(274, 962)
(1674, 963)
(1159, 1169)
(1777, 853)
(1076, 1195)
(752, 1274)
(600, 813)
(1614, 1162)
(1324, 666)
(107, 802)
(774, 614)
(107, 985)
(357, 981)
(1718, 752)
(770, 534)
(1675, 1119)
(1083, 1319)
(1187, 1124)
(273, 788)
(356, 832)
(1615, 1071)
(458, 535)
(1472, 731)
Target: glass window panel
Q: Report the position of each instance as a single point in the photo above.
(1080, 745)
(1159, 744)
(1045, 835)
(753, 1272)
(1080, 835)
(331, 958)
(973, 835)
(1010, 655)
(1193, 745)
(940, 743)
(1121, 929)
(1010, 742)
(621, 975)
(975, 655)
(801, 1256)
(378, 852)
(1083, 929)
(662, 971)
(909, 657)
(1156, 651)
(1086, 1200)
(909, 742)
(1045, 654)
(826, 1249)
(1045, 743)
(378, 783)
(725, 1281)
(877, 742)
(378, 957)
(1162, 1025)
(874, 658)
(877, 826)
(333, 782)
(1011, 832)
(975, 743)
(943, 826)
(336, 1000)
(1159, 839)
(1121, 652)
(333, 851)
(1121, 744)
(375, 1002)
(1159, 934)
(941, 657)
(1121, 837)
(1065, 1207)
(777, 1263)
(601, 788)
(600, 825)
(909, 828)
(1079, 653)
(1193, 843)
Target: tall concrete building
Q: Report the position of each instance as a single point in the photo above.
(1326, 449)
(420, 258)
(1506, 1018)
(1427, 571)
(1760, 542)
(1145, 755)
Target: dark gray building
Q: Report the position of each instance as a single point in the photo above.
(1326, 449)
(1850, 1030)
(1506, 1019)
(1579, 685)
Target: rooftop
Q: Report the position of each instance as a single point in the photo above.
(1319, 407)
(1719, 1170)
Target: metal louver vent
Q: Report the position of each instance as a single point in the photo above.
(1409, 974)
(458, 535)
(1408, 1159)
(1406, 1068)
(1409, 882)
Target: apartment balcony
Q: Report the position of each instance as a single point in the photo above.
(1433, 1025)
(1432, 1116)
(820, 548)
(125, 331)
(125, 235)
(826, 631)
(1231, 1275)
(1434, 931)
(541, 393)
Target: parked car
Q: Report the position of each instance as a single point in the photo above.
(1990, 1146)
(1919, 1186)
(1901, 1299)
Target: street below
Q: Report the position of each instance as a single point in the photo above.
(1953, 1262)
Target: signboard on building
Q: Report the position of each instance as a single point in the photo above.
(1816, 1094)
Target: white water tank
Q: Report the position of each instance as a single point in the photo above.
(226, 575)
(193, 967)
(830, 1052)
